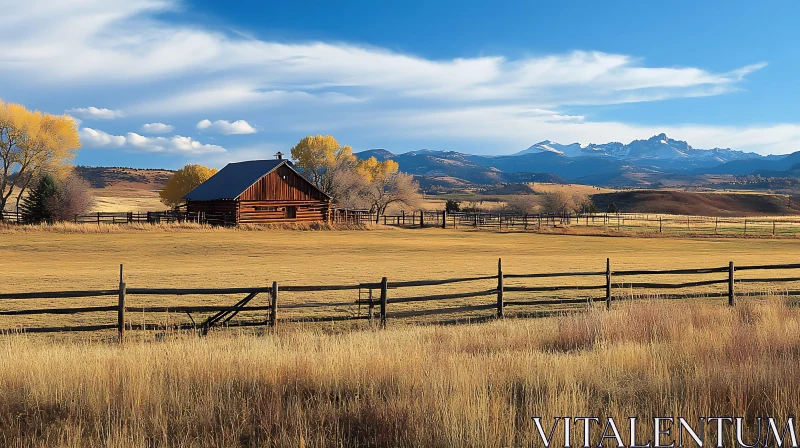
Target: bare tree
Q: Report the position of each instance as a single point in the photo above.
(395, 188)
(557, 202)
(73, 197)
(584, 203)
(522, 203)
(349, 189)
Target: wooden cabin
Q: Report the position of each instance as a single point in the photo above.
(258, 192)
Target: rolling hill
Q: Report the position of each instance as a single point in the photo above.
(701, 204)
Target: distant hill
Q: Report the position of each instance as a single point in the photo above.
(747, 166)
(792, 171)
(380, 154)
(121, 177)
(702, 204)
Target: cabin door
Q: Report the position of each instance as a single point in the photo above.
(291, 212)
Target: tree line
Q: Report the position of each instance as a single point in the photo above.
(368, 184)
(36, 173)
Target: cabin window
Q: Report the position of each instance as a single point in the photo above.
(266, 209)
(291, 212)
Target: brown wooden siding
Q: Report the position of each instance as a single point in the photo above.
(283, 184)
(280, 196)
(255, 212)
(212, 206)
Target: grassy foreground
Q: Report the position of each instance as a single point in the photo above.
(471, 385)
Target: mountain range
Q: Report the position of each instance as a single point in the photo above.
(614, 163)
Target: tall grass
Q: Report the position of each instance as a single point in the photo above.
(470, 385)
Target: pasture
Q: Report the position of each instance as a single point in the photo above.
(476, 384)
(38, 260)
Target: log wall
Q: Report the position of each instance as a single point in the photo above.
(262, 212)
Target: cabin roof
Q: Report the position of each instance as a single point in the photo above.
(232, 180)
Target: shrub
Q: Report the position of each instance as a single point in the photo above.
(73, 197)
(452, 206)
(34, 208)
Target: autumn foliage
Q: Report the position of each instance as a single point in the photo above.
(321, 157)
(183, 181)
(366, 184)
(33, 144)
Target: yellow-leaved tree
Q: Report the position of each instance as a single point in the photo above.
(183, 181)
(384, 185)
(321, 158)
(32, 143)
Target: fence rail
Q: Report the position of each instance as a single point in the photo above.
(633, 222)
(618, 285)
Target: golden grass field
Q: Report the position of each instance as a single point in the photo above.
(332, 385)
(194, 257)
(470, 385)
(490, 201)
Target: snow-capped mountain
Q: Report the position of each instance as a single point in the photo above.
(656, 148)
(572, 150)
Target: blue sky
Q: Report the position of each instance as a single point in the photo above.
(161, 83)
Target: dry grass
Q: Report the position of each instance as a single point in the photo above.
(471, 385)
(136, 201)
(541, 187)
(37, 259)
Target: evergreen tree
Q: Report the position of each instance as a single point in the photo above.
(34, 208)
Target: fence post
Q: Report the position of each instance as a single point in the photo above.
(745, 226)
(273, 306)
(422, 218)
(121, 308)
(660, 224)
(773, 227)
(731, 291)
(500, 288)
(384, 294)
(608, 283)
(716, 224)
(371, 307)
(444, 219)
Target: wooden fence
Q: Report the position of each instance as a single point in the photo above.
(632, 222)
(154, 217)
(610, 285)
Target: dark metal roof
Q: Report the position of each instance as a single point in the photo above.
(234, 179)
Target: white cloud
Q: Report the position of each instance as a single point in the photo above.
(116, 42)
(180, 68)
(177, 144)
(96, 113)
(226, 127)
(513, 128)
(98, 139)
(134, 142)
(157, 128)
